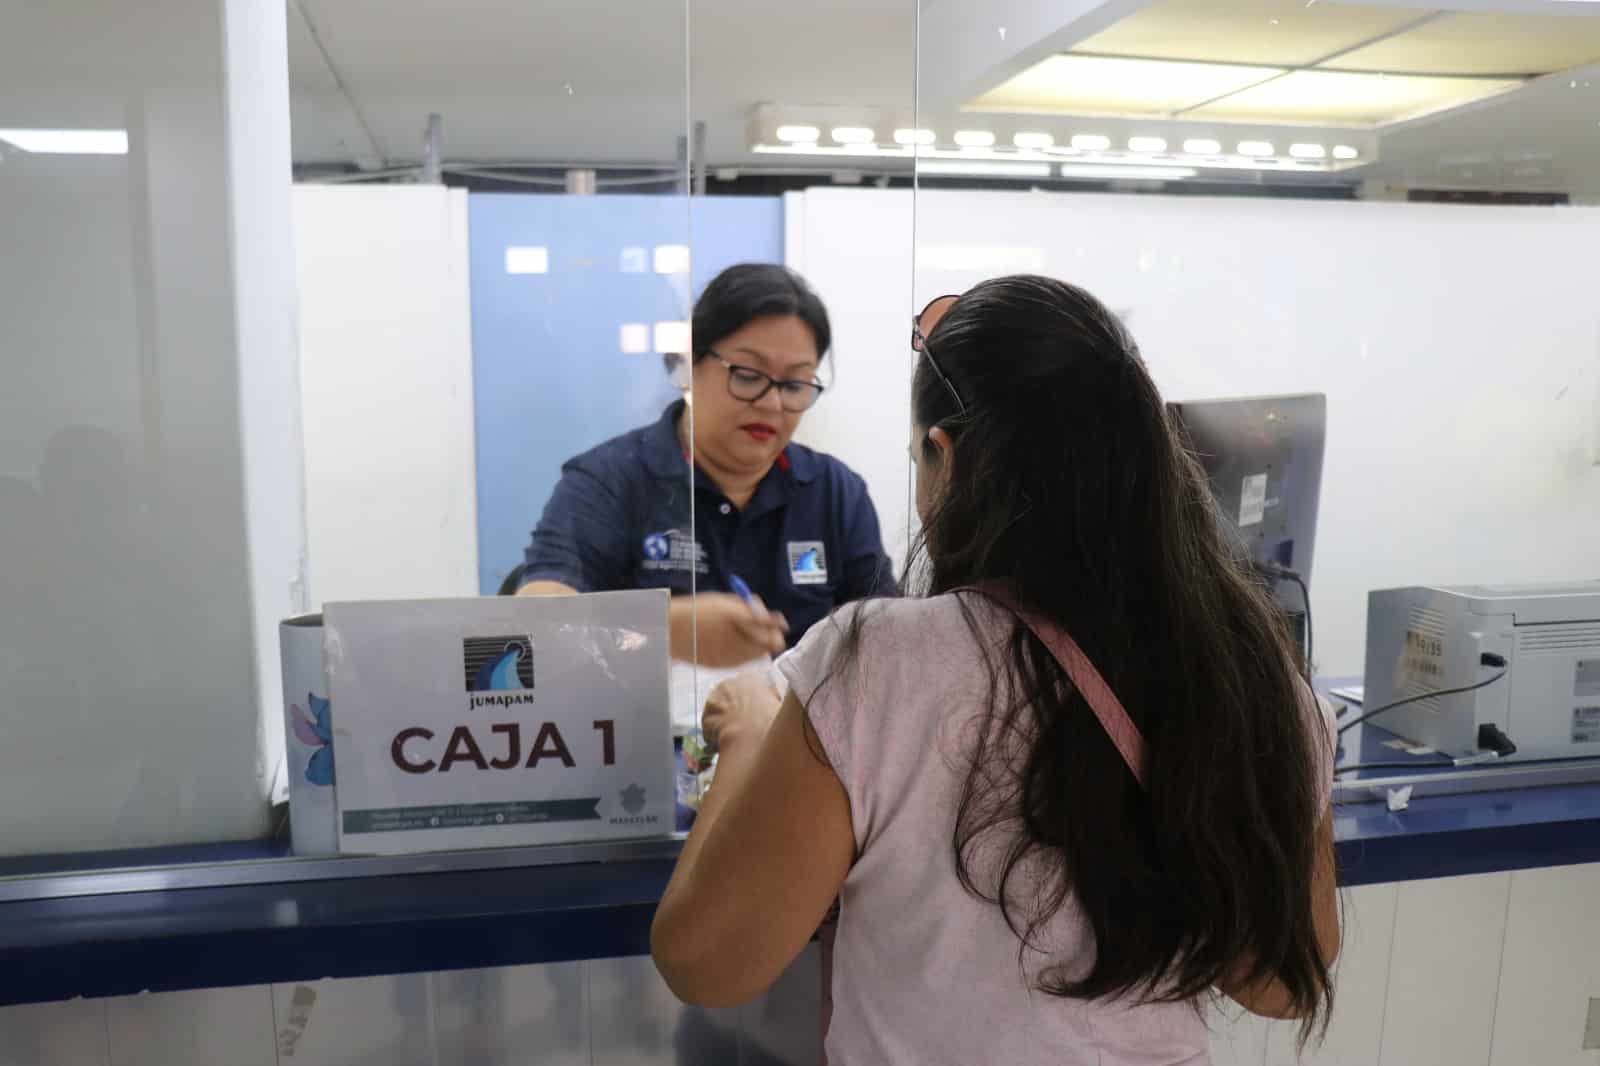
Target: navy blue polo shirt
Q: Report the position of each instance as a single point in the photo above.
(807, 541)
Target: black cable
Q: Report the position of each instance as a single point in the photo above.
(1283, 573)
(1345, 727)
(1305, 598)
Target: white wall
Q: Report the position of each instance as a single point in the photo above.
(269, 381)
(1459, 348)
(386, 386)
(145, 529)
(864, 278)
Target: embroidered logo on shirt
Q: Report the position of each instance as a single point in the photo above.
(673, 549)
(808, 564)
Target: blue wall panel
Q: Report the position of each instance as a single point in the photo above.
(549, 375)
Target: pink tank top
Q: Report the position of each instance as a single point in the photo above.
(924, 972)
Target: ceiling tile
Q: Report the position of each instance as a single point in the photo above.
(1096, 85)
(1484, 44)
(1340, 98)
(1270, 32)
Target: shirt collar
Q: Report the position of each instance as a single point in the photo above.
(663, 452)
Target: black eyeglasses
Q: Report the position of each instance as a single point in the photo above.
(749, 384)
(919, 343)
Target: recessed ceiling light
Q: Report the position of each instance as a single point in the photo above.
(1308, 151)
(798, 134)
(981, 168)
(1149, 145)
(671, 338)
(974, 138)
(1202, 146)
(911, 137)
(1113, 171)
(1344, 151)
(1033, 141)
(671, 259)
(1345, 97)
(527, 259)
(1117, 85)
(68, 142)
(853, 135)
(1091, 142)
(1255, 148)
(634, 338)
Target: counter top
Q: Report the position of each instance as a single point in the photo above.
(233, 914)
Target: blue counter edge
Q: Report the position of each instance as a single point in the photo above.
(123, 944)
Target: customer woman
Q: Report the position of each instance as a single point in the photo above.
(1064, 795)
(780, 534)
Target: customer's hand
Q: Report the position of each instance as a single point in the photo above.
(739, 709)
(720, 630)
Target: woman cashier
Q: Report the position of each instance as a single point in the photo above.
(781, 534)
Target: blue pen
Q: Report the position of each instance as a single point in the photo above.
(740, 589)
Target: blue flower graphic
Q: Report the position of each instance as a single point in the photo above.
(315, 730)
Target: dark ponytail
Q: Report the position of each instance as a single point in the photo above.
(1067, 483)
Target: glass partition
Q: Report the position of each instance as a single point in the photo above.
(497, 241)
(1354, 244)
(798, 504)
(150, 518)
(431, 340)
(1380, 204)
(488, 240)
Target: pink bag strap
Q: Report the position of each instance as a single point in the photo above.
(1102, 701)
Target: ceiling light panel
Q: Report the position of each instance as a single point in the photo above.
(1270, 32)
(1483, 44)
(1349, 99)
(68, 142)
(1106, 85)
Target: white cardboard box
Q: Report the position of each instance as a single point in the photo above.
(309, 737)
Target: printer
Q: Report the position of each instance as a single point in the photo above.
(1423, 640)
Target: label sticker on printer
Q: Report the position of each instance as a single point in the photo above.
(1585, 724)
(1586, 682)
(1421, 666)
(1253, 500)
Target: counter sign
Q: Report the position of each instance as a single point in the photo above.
(444, 741)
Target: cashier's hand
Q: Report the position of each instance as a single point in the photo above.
(740, 709)
(720, 630)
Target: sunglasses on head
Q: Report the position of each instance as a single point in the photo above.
(919, 343)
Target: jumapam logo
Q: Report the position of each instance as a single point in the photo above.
(498, 664)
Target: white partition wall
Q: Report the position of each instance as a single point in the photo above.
(150, 511)
(386, 382)
(1459, 348)
(856, 252)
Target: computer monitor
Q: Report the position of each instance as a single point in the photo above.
(1263, 457)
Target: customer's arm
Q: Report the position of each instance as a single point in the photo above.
(767, 856)
(1268, 997)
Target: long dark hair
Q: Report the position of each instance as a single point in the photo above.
(1069, 486)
